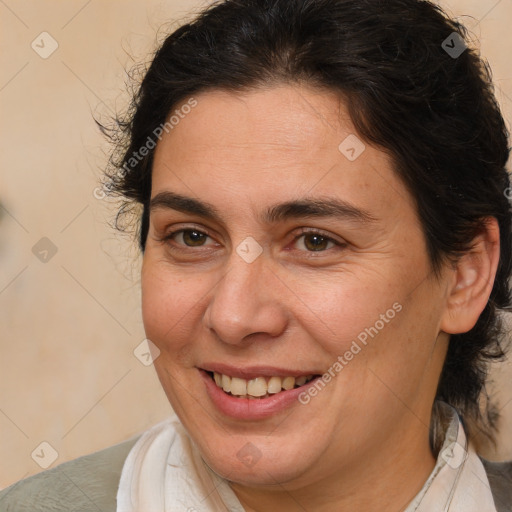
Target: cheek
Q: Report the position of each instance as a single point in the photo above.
(373, 320)
(170, 304)
(342, 308)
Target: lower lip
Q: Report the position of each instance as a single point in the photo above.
(247, 409)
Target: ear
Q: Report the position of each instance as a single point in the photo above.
(473, 279)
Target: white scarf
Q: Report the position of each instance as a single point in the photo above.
(164, 472)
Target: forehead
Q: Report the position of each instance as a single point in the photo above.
(272, 144)
(296, 121)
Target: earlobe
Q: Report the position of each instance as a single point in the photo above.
(473, 279)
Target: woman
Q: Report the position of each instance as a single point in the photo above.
(326, 240)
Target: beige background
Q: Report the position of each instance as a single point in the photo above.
(69, 326)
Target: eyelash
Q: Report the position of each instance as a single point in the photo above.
(303, 231)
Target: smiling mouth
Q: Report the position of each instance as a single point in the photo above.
(259, 387)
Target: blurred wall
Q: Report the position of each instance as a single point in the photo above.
(70, 319)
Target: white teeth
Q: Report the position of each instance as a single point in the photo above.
(226, 383)
(274, 385)
(288, 382)
(300, 381)
(238, 386)
(258, 387)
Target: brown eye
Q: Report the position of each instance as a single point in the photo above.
(316, 242)
(189, 238)
(193, 238)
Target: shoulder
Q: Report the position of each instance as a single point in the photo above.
(500, 480)
(85, 484)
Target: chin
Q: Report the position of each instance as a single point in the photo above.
(252, 460)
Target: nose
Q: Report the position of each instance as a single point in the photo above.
(246, 304)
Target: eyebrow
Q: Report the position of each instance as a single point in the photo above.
(301, 208)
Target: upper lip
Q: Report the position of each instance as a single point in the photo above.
(253, 371)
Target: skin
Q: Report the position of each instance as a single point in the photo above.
(362, 442)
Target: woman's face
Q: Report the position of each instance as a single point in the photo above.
(297, 252)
